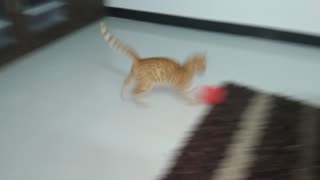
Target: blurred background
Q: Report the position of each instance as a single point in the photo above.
(61, 115)
(28, 24)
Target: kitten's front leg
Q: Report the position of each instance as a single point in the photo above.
(184, 90)
(186, 95)
(191, 90)
(139, 102)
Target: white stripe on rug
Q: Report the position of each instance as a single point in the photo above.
(239, 156)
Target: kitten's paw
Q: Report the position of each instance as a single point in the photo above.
(144, 105)
(190, 100)
(141, 103)
(193, 103)
(124, 96)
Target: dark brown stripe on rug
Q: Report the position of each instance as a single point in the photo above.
(308, 141)
(277, 156)
(316, 167)
(207, 146)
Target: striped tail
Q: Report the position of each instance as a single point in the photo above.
(117, 44)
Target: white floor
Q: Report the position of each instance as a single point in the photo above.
(61, 115)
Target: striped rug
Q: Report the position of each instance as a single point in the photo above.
(252, 136)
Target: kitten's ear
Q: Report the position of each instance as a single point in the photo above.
(201, 55)
(197, 55)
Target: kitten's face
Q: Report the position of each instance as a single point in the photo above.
(199, 63)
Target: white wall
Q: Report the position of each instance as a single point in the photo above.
(291, 15)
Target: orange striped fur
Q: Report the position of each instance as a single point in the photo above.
(148, 72)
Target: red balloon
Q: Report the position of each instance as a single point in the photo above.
(212, 95)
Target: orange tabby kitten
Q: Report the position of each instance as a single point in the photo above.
(148, 72)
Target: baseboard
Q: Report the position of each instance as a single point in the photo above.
(243, 30)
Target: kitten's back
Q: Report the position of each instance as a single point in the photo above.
(158, 69)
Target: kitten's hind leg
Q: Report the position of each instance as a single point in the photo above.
(140, 90)
(126, 83)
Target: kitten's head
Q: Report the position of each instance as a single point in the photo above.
(197, 63)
